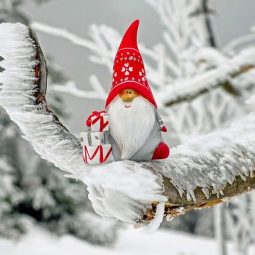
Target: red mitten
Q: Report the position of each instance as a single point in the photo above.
(161, 152)
(164, 129)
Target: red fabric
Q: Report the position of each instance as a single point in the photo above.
(164, 129)
(128, 68)
(161, 152)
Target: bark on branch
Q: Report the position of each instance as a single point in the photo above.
(200, 173)
(178, 205)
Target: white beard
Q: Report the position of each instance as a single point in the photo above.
(130, 127)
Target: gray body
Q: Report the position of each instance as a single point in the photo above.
(147, 150)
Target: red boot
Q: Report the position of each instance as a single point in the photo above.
(161, 152)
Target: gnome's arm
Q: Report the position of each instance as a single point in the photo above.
(162, 151)
(160, 122)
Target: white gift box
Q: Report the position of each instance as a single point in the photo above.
(100, 123)
(84, 136)
(95, 151)
(96, 138)
(92, 138)
(99, 154)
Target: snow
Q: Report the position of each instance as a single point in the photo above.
(122, 189)
(155, 223)
(125, 189)
(180, 54)
(5, 166)
(115, 191)
(182, 37)
(71, 88)
(182, 88)
(17, 87)
(40, 242)
(213, 160)
(122, 192)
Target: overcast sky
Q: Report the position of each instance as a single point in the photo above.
(233, 18)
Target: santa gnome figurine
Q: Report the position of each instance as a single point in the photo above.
(131, 111)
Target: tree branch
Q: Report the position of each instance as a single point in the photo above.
(188, 89)
(202, 172)
(205, 11)
(70, 88)
(206, 170)
(23, 85)
(179, 205)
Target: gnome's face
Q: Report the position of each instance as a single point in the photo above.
(127, 95)
(131, 119)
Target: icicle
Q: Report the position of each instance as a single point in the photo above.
(158, 218)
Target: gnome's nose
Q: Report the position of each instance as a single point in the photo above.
(127, 95)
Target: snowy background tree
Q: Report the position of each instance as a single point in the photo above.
(32, 190)
(199, 87)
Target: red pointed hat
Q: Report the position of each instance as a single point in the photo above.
(128, 68)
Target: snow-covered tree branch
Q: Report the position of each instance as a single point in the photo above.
(23, 96)
(202, 172)
(31, 188)
(186, 90)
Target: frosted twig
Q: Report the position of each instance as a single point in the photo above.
(238, 42)
(70, 88)
(96, 85)
(63, 33)
(188, 89)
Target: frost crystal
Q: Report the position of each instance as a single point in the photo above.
(116, 190)
(213, 160)
(17, 95)
(121, 190)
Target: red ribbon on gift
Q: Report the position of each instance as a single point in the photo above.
(98, 117)
(99, 149)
